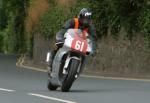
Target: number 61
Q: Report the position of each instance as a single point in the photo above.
(79, 45)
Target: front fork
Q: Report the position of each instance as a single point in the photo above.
(65, 68)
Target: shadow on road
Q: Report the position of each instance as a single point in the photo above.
(106, 90)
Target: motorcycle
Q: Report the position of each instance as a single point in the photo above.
(69, 60)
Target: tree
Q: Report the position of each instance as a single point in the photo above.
(114, 14)
(12, 16)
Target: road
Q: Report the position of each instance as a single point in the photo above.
(18, 85)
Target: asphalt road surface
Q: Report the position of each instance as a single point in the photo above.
(18, 85)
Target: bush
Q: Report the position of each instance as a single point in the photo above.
(54, 19)
(116, 14)
(1, 42)
(9, 39)
(144, 22)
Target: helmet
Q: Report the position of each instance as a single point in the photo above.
(85, 16)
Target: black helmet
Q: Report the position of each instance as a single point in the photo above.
(85, 16)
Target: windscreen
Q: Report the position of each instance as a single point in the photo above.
(77, 32)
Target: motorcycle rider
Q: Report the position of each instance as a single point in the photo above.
(83, 22)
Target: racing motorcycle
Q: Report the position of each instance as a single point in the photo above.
(69, 60)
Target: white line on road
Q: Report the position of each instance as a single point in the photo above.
(50, 98)
(6, 90)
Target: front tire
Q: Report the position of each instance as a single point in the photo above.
(67, 83)
(50, 86)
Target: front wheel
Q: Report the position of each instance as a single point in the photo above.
(67, 83)
(50, 86)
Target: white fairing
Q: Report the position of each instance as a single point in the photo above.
(70, 34)
(68, 40)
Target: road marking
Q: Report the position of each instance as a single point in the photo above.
(50, 98)
(20, 64)
(20, 61)
(6, 90)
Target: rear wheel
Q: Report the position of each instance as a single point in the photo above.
(67, 83)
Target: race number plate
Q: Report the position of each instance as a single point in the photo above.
(79, 45)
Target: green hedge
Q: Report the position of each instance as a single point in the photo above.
(55, 18)
(1, 42)
(12, 16)
(144, 22)
(132, 15)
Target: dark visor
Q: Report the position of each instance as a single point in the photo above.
(88, 17)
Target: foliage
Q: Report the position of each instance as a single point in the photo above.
(12, 17)
(54, 19)
(115, 14)
(109, 16)
(144, 23)
(1, 42)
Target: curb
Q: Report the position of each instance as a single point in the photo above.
(20, 64)
(21, 60)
